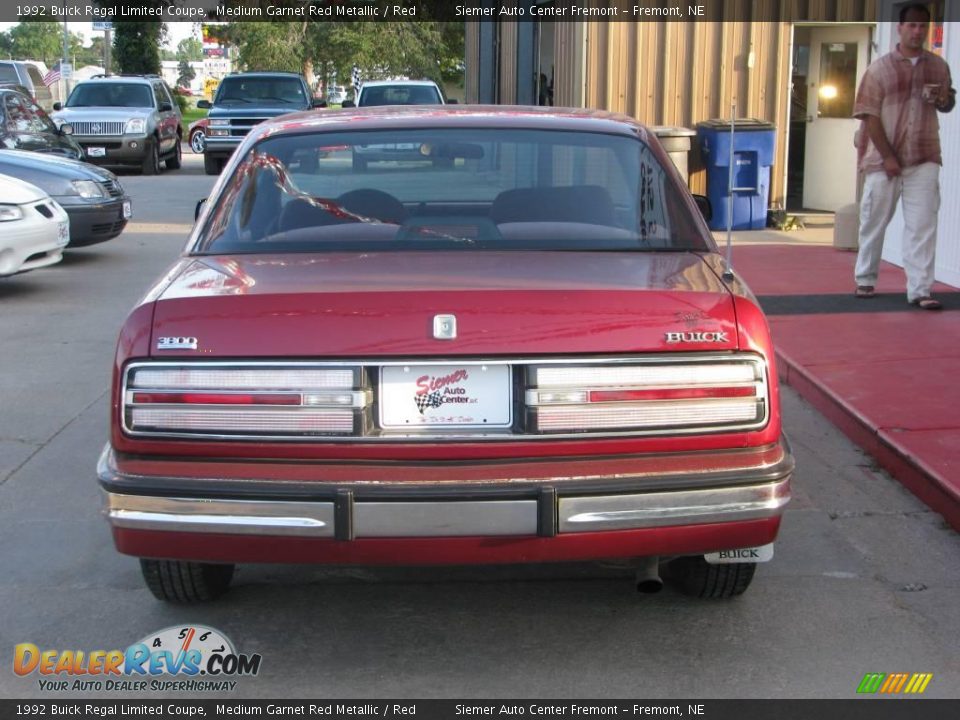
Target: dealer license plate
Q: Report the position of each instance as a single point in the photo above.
(96, 152)
(127, 209)
(446, 396)
(63, 233)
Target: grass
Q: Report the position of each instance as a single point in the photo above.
(190, 116)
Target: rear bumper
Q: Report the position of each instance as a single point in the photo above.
(735, 501)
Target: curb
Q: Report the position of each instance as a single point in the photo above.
(909, 470)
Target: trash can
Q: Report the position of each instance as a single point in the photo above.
(676, 141)
(753, 146)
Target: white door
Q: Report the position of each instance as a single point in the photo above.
(838, 59)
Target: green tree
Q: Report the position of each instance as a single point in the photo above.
(190, 49)
(6, 45)
(136, 46)
(37, 40)
(187, 74)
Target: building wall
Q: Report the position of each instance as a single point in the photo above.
(681, 73)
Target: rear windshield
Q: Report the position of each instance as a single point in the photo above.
(261, 89)
(399, 95)
(445, 189)
(8, 73)
(132, 95)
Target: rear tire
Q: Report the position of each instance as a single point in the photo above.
(211, 165)
(176, 161)
(696, 577)
(178, 581)
(151, 160)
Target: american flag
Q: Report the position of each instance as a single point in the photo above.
(52, 76)
(434, 400)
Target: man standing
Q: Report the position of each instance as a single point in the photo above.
(899, 152)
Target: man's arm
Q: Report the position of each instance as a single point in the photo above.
(879, 138)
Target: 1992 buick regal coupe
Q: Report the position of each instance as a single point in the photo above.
(526, 353)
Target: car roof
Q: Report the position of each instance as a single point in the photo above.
(380, 83)
(142, 79)
(264, 73)
(454, 116)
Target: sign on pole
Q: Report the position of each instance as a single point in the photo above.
(102, 25)
(66, 70)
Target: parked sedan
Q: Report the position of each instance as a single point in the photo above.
(33, 228)
(197, 133)
(531, 354)
(93, 198)
(25, 126)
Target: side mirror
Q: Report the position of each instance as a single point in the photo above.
(317, 103)
(57, 106)
(348, 104)
(66, 129)
(704, 206)
(165, 107)
(196, 212)
(453, 101)
(203, 105)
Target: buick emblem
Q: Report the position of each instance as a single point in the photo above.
(696, 337)
(444, 327)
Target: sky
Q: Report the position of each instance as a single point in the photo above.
(176, 31)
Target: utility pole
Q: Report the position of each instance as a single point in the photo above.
(63, 59)
(107, 49)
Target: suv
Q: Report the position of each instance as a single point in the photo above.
(27, 76)
(247, 99)
(398, 92)
(125, 120)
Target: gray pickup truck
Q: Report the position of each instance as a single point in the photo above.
(247, 99)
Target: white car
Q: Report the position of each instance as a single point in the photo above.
(34, 229)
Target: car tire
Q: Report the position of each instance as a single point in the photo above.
(696, 577)
(198, 141)
(211, 165)
(151, 160)
(178, 581)
(359, 164)
(176, 161)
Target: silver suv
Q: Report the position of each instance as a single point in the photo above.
(124, 120)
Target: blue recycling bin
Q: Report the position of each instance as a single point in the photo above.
(753, 146)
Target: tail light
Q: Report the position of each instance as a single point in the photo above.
(663, 395)
(243, 400)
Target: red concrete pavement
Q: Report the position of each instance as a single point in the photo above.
(885, 373)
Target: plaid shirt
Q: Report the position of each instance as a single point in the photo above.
(892, 90)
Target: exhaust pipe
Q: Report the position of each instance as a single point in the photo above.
(648, 576)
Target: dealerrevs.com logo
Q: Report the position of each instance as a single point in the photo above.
(192, 658)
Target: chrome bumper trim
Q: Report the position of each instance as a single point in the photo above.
(684, 507)
(449, 518)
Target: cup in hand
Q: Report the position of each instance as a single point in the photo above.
(931, 92)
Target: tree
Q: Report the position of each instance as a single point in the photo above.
(136, 46)
(37, 40)
(6, 45)
(187, 74)
(190, 49)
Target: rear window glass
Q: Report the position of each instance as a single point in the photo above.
(111, 95)
(449, 189)
(399, 95)
(8, 74)
(261, 89)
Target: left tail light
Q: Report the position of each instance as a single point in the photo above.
(243, 400)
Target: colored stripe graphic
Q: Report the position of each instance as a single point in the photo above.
(894, 683)
(871, 682)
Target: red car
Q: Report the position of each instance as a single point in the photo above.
(528, 353)
(197, 133)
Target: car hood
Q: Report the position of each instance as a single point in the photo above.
(101, 114)
(240, 110)
(51, 172)
(383, 304)
(17, 192)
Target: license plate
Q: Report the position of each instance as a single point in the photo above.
(96, 152)
(127, 209)
(63, 233)
(446, 396)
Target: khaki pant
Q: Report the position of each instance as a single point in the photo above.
(919, 186)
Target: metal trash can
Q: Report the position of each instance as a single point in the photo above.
(753, 147)
(676, 141)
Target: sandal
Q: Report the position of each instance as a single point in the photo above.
(927, 303)
(865, 291)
